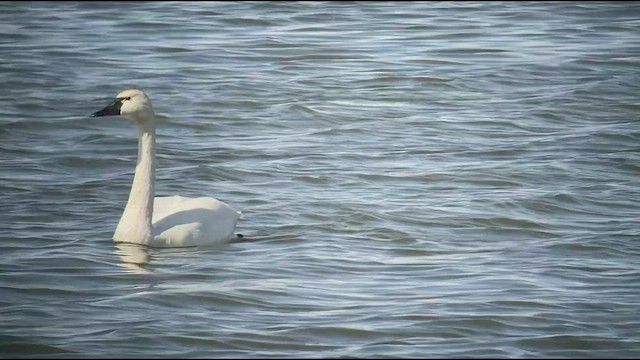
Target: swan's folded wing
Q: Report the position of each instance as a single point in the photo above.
(180, 221)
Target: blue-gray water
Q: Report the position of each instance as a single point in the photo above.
(418, 179)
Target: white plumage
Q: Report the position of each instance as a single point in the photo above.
(172, 221)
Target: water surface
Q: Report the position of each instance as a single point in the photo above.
(417, 179)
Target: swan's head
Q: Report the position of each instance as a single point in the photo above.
(131, 103)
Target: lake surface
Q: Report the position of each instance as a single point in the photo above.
(419, 179)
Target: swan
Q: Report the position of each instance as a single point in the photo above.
(171, 221)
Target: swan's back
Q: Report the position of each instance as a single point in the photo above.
(181, 221)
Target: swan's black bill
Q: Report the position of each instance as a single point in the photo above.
(113, 109)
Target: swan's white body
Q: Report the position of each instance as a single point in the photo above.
(172, 221)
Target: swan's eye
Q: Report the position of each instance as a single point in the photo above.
(128, 98)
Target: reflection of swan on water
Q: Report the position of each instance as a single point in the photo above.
(173, 221)
(134, 257)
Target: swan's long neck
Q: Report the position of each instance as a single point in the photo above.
(135, 223)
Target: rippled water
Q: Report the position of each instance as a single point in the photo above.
(417, 179)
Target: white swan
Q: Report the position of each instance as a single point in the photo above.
(173, 221)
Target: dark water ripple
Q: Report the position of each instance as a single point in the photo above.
(451, 179)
